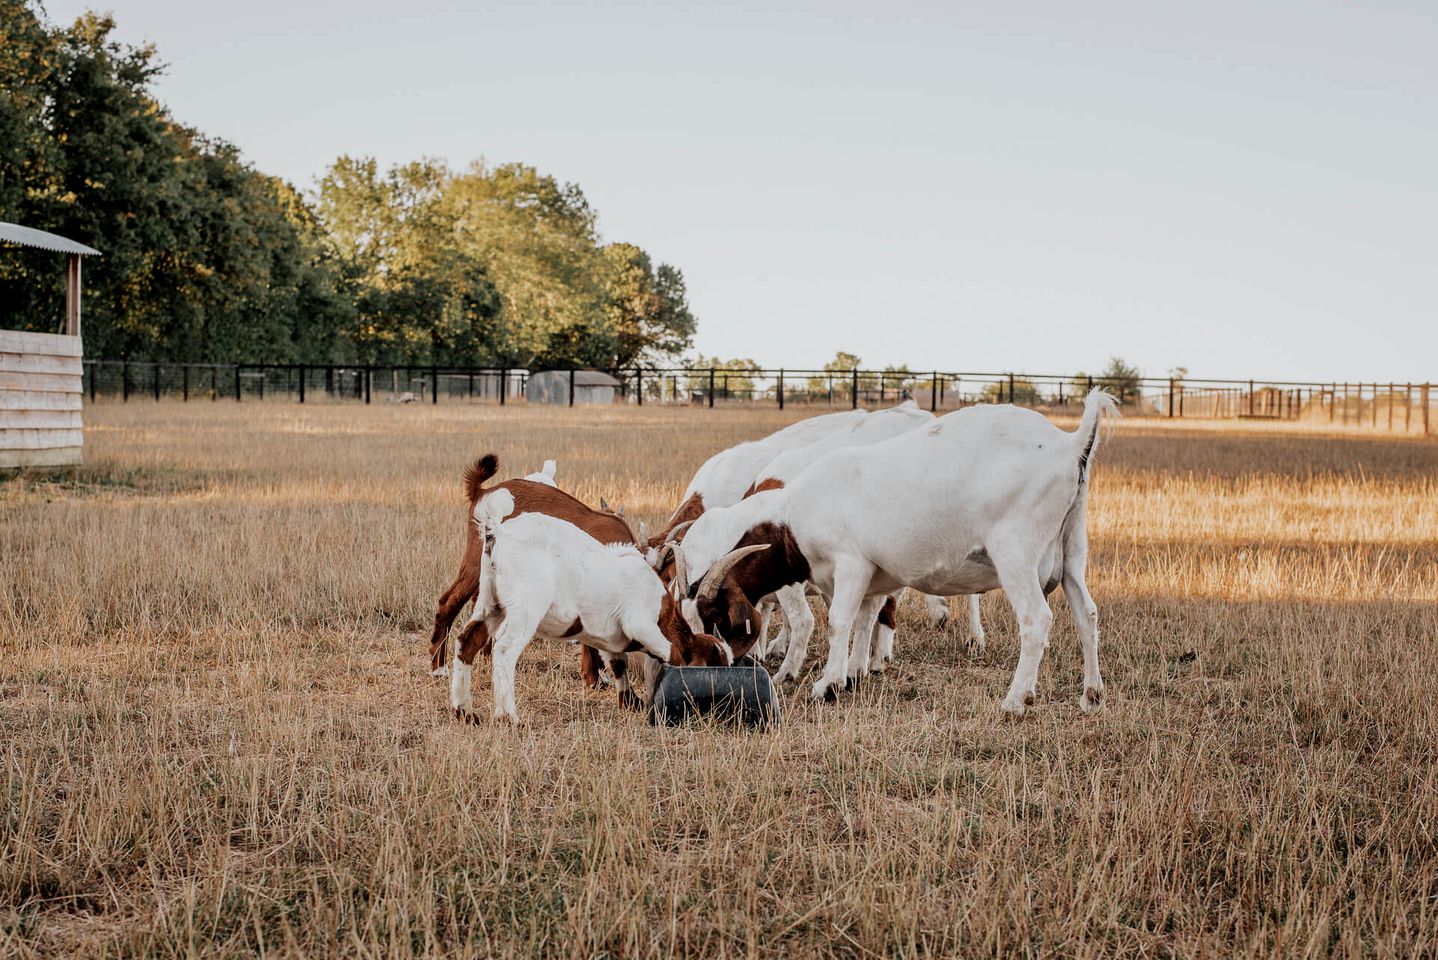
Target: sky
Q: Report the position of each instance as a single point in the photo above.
(1240, 189)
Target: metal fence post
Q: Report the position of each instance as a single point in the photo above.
(639, 385)
(854, 390)
(1011, 388)
(934, 393)
(503, 384)
(94, 375)
(368, 377)
(155, 379)
(433, 384)
(1170, 398)
(571, 386)
(237, 383)
(185, 381)
(302, 383)
(1425, 409)
(780, 391)
(711, 387)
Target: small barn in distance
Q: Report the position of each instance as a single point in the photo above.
(42, 374)
(590, 386)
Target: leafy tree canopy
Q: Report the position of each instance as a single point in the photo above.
(205, 258)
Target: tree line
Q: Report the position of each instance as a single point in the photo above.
(206, 259)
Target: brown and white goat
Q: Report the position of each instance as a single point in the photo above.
(545, 577)
(529, 497)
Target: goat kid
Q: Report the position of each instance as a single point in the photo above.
(531, 496)
(544, 576)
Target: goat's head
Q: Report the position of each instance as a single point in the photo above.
(689, 645)
(764, 560)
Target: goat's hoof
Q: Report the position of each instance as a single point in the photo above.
(465, 716)
(1091, 700)
(824, 691)
(1029, 698)
(439, 671)
(1012, 707)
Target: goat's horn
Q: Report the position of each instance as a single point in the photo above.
(673, 535)
(679, 586)
(709, 586)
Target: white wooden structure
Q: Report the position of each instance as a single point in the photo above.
(42, 374)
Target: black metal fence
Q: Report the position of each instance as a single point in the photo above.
(1392, 406)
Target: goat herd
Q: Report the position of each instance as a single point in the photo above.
(853, 507)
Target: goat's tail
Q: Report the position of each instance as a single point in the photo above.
(492, 510)
(1098, 405)
(477, 474)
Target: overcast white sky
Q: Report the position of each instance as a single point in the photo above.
(1242, 189)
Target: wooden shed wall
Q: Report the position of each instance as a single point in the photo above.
(41, 384)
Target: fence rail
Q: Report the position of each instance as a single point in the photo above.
(1403, 407)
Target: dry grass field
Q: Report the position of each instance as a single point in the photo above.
(220, 738)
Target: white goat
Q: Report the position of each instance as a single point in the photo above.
(877, 427)
(541, 575)
(726, 476)
(986, 497)
(544, 475)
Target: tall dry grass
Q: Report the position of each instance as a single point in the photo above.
(220, 739)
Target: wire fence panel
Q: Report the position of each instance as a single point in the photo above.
(1399, 407)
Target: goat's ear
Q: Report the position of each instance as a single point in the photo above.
(643, 533)
(690, 610)
(604, 505)
(620, 511)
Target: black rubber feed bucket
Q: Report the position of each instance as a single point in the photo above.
(743, 692)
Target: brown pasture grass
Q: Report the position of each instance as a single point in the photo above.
(220, 739)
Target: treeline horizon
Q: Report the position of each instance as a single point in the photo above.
(204, 258)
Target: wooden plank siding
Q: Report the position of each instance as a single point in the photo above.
(41, 385)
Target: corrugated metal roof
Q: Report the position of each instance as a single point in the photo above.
(30, 237)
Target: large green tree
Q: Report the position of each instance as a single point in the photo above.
(206, 258)
(203, 258)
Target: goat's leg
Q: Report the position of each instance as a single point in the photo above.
(780, 644)
(452, 601)
(1081, 605)
(799, 621)
(760, 649)
(864, 626)
(851, 586)
(472, 640)
(509, 642)
(619, 668)
(884, 627)
(589, 662)
(937, 609)
(450, 604)
(976, 626)
(1018, 574)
